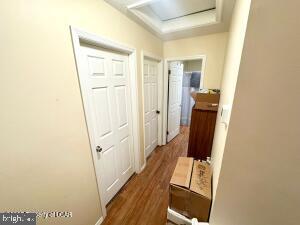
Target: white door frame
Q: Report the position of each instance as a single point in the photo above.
(166, 84)
(82, 36)
(160, 80)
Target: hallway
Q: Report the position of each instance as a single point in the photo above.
(144, 199)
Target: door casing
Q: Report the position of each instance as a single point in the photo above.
(79, 36)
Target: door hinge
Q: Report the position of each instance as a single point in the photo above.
(169, 72)
(167, 132)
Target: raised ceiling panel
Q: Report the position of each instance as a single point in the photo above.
(175, 19)
(171, 9)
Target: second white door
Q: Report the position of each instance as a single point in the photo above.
(174, 103)
(150, 105)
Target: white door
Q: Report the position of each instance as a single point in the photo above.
(109, 114)
(174, 104)
(150, 105)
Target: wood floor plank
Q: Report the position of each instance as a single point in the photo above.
(144, 199)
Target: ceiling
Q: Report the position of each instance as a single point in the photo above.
(171, 9)
(174, 19)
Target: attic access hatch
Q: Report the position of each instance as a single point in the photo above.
(167, 16)
(175, 19)
(172, 9)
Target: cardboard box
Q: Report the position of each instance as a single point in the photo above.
(206, 101)
(200, 188)
(190, 189)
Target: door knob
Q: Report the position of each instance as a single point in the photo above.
(98, 149)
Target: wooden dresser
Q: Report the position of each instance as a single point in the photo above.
(203, 121)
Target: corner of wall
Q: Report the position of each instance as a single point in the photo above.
(230, 75)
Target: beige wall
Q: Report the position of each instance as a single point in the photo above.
(213, 46)
(259, 181)
(45, 157)
(230, 75)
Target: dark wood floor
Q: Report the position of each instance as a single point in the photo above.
(144, 199)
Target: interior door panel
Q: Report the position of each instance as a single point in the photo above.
(107, 85)
(174, 103)
(150, 105)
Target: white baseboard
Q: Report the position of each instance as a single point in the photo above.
(99, 221)
(177, 218)
(143, 167)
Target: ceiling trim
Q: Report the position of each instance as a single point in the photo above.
(195, 24)
(194, 20)
(140, 4)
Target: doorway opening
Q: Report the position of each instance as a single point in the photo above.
(191, 81)
(182, 77)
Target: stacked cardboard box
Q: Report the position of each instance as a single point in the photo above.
(190, 189)
(206, 101)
